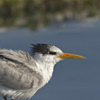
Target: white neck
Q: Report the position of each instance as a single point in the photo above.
(45, 65)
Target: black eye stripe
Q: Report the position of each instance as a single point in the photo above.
(52, 53)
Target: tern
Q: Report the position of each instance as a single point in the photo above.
(21, 75)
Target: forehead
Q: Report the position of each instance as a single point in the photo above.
(55, 49)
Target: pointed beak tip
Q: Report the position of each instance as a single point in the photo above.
(84, 57)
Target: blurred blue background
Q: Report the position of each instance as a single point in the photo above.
(73, 26)
(73, 79)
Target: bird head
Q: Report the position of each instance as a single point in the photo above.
(51, 53)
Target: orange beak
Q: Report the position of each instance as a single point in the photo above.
(70, 56)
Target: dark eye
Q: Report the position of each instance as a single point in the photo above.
(52, 53)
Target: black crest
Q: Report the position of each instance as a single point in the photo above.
(40, 48)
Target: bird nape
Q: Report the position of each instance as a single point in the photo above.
(21, 75)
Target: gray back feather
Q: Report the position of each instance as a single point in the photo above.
(15, 72)
(19, 56)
